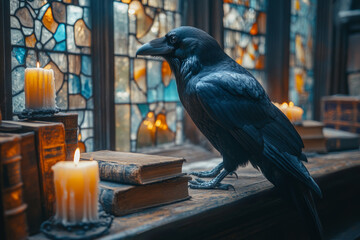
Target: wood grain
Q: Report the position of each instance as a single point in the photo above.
(253, 210)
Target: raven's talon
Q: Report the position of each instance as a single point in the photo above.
(204, 174)
(199, 180)
(234, 173)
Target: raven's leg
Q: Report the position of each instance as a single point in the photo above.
(212, 184)
(212, 173)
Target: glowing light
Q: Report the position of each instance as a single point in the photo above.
(150, 115)
(37, 64)
(158, 123)
(79, 137)
(291, 104)
(77, 156)
(150, 126)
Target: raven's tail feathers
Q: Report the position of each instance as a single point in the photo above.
(306, 207)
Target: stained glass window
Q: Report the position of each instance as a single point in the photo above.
(147, 108)
(302, 35)
(244, 34)
(58, 35)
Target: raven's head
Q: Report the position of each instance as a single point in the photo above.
(184, 45)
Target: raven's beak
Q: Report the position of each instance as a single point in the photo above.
(157, 47)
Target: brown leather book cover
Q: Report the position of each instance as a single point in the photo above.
(135, 168)
(12, 188)
(121, 199)
(70, 121)
(50, 145)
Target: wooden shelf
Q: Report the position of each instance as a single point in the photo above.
(253, 210)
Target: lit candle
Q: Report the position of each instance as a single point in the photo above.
(292, 112)
(39, 88)
(76, 190)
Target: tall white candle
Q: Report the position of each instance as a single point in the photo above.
(39, 88)
(76, 190)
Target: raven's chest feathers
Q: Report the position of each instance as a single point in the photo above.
(220, 138)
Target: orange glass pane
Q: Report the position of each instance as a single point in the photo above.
(49, 22)
(299, 83)
(166, 73)
(82, 34)
(30, 41)
(260, 62)
(254, 29)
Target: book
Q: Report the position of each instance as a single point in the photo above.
(338, 140)
(309, 128)
(50, 149)
(121, 199)
(12, 188)
(29, 175)
(135, 168)
(311, 133)
(315, 144)
(70, 121)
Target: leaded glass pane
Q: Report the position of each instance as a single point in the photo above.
(148, 110)
(302, 34)
(244, 34)
(57, 34)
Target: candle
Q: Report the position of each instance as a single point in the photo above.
(39, 88)
(76, 190)
(292, 112)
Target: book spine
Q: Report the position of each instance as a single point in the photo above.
(30, 177)
(106, 198)
(51, 149)
(115, 172)
(12, 192)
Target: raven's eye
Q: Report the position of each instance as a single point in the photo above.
(173, 39)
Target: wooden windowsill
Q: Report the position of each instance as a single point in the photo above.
(253, 210)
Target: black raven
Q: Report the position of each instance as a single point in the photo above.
(233, 111)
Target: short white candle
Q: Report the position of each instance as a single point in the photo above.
(76, 190)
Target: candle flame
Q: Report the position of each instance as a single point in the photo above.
(79, 137)
(77, 156)
(291, 104)
(37, 64)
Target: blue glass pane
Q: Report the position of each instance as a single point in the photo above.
(86, 65)
(86, 86)
(74, 84)
(60, 33)
(19, 54)
(144, 109)
(60, 46)
(170, 92)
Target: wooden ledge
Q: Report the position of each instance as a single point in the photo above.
(253, 210)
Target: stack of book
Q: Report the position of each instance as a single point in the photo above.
(311, 132)
(131, 182)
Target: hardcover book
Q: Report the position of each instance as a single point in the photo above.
(338, 140)
(135, 168)
(309, 128)
(12, 188)
(120, 199)
(29, 174)
(50, 149)
(70, 121)
(311, 133)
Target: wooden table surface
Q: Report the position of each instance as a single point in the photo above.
(143, 224)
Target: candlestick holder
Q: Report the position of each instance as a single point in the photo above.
(54, 229)
(37, 113)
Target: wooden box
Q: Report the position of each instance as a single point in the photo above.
(341, 112)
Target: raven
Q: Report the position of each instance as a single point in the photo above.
(233, 111)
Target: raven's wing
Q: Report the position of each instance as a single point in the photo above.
(239, 104)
